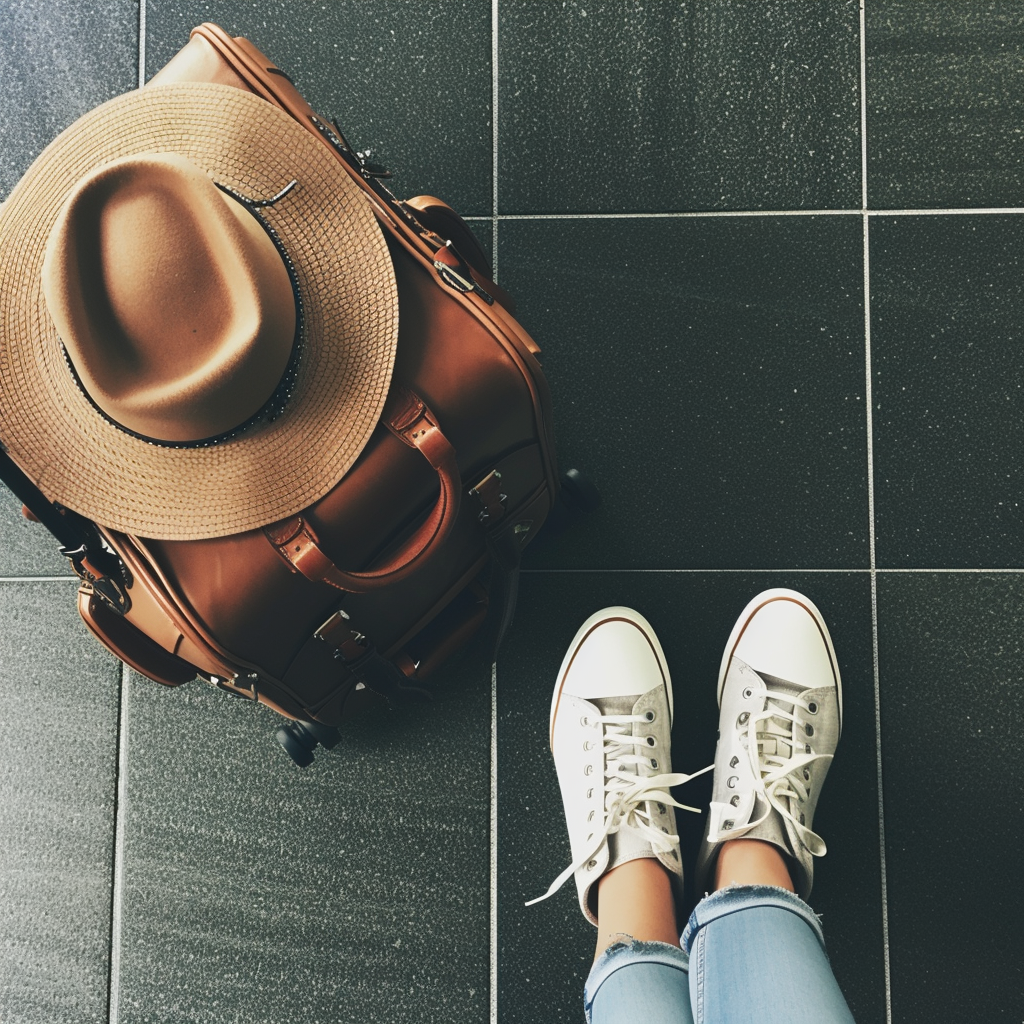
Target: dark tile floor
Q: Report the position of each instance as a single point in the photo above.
(779, 372)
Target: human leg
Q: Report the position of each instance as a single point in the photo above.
(756, 948)
(611, 718)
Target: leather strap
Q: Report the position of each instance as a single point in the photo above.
(408, 418)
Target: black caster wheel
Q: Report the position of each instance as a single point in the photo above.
(580, 493)
(300, 740)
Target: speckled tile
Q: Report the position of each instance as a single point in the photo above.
(355, 890)
(708, 374)
(662, 105)
(27, 549)
(59, 694)
(408, 80)
(947, 303)
(950, 657)
(545, 950)
(58, 60)
(945, 104)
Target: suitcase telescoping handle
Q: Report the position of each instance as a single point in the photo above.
(408, 418)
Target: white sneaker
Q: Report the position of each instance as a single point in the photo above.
(611, 735)
(781, 714)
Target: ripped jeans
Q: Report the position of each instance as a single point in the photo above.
(751, 954)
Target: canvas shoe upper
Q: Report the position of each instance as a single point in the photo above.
(611, 729)
(780, 695)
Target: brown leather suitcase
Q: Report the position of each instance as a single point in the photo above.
(353, 601)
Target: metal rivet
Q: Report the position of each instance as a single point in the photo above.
(649, 716)
(734, 762)
(742, 720)
(813, 708)
(735, 801)
(748, 693)
(592, 865)
(726, 825)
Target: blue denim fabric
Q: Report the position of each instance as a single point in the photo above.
(751, 954)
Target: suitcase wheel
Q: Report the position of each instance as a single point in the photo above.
(300, 740)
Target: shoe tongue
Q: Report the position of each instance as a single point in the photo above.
(616, 705)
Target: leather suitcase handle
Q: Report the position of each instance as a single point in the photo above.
(408, 418)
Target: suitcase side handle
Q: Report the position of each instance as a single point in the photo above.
(408, 418)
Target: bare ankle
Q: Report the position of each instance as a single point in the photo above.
(752, 862)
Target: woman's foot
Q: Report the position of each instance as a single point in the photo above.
(781, 713)
(611, 734)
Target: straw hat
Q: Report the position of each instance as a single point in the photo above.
(190, 347)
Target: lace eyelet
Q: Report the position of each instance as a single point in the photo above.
(812, 708)
(588, 770)
(748, 693)
(588, 745)
(809, 729)
(649, 716)
(734, 762)
(591, 865)
(727, 825)
(654, 763)
(744, 718)
(733, 779)
(651, 741)
(584, 721)
(807, 775)
(590, 794)
(803, 819)
(590, 816)
(735, 801)
(661, 808)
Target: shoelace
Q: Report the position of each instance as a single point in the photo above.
(624, 793)
(779, 773)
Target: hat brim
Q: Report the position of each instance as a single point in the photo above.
(349, 336)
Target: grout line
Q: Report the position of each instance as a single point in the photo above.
(863, 113)
(117, 889)
(946, 213)
(678, 214)
(39, 579)
(494, 844)
(142, 43)
(692, 214)
(869, 414)
(790, 569)
(494, 140)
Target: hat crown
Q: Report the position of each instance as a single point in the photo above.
(172, 302)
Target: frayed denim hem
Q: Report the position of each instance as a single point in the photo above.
(622, 954)
(738, 897)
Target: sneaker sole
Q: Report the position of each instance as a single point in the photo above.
(766, 597)
(616, 613)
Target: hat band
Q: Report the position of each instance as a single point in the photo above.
(275, 404)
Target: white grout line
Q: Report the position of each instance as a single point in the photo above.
(679, 215)
(494, 139)
(1012, 210)
(863, 114)
(494, 843)
(38, 579)
(142, 43)
(788, 569)
(493, 994)
(117, 896)
(696, 214)
(869, 410)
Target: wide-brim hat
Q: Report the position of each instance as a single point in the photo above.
(298, 444)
